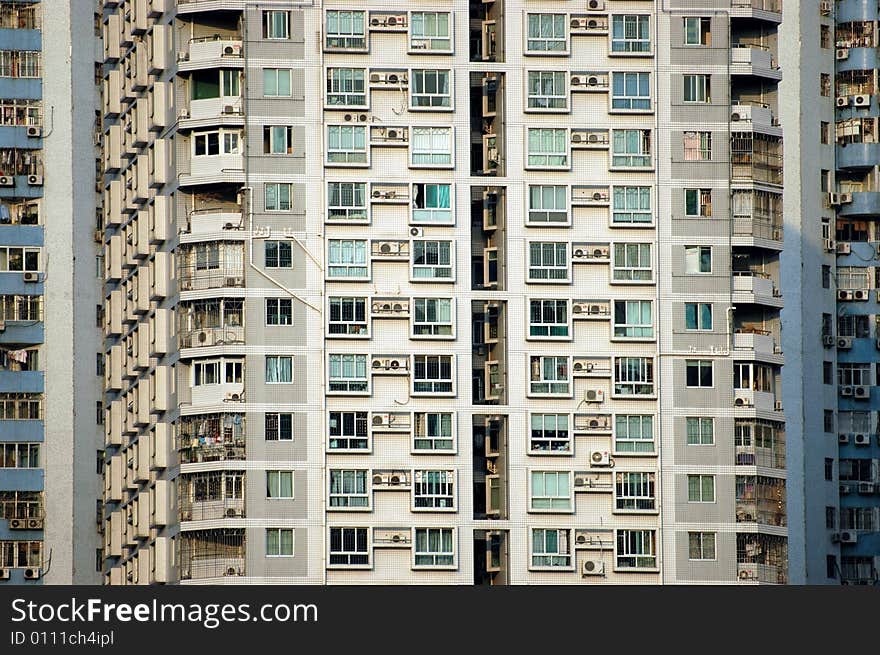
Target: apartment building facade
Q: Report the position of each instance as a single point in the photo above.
(49, 292)
(480, 293)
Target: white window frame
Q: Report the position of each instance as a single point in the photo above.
(698, 306)
(642, 159)
(446, 215)
(433, 438)
(701, 535)
(437, 157)
(367, 322)
(349, 161)
(436, 324)
(630, 269)
(448, 97)
(453, 553)
(554, 39)
(285, 132)
(280, 244)
(647, 483)
(269, 24)
(700, 365)
(348, 381)
(563, 94)
(280, 357)
(348, 38)
(292, 532)
(413, 267)
(277, 72)
(547, 155)
(623, 191)
(280, 473)
(430, 38)
(566, 554)
(568, 381)
(436, 491)
(645, 364)
(279, 432)
(348, 188)
(551, 498)
(349, 553)
(350, 265)
(224, 141)
(689, 258)
(620, 439)
(557, 302)
(701, 422)
(619, 554)
(627, 325)
(702, 206)
(631, 99)
(628, 51)
(433, 381)
(699, 86)
(334, 88)
(368, 447)
(542, 189)
(555, 264)
(563, 422)
(279, 200)
(348, 496)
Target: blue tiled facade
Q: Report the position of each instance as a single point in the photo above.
(22, 262)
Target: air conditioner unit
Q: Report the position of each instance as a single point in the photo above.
(583, 367)
(866, 487)
(4, 574)
(848, 537)
(35, 180)
(862, 100)
(388, 248)
(862, 391)
(860, 294)
(593, 567)
(234, 281)
(233, 50)
(416, 232)
(842, 101)
(358, 118)
(600, 458)
(842, 53)
(394, 479)
(594, 396)
(388, 21)
(830, 245)
(17, 524)
(7, 180)
(877, 344)
(844, 294)
(844, 343)
(34, 131)
(843, 438)
(846, 391)
(33, 574)
(843, 248)
(35, 524)
(388, 364)
(835, 537)
(205, 338)
(228, 109)
(827, 340)
(825, 7)
(232, 397)
(30, 276)
(844, 198)
(861, 439)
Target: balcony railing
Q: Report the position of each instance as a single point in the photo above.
(218, 508)
(757, 228)
(755, 456)
(194, 279)
(212, 554)
(773, 6)
(212, 336)
(753, 572)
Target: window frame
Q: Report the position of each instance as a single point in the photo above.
(436, 324)
(279, 200)
(348, 153)
(568, 498)
(280, 531)
(450, 23)
(569, 329)
(349, 437)
(434, 129)
(449, 96)
(269, 24)
(453, 565)
(548, 155)
(531, 210)
(424, 187)
(623, 191)
(569, 440)
(629, 98)
(279, 428)
(702, 534)
(700, 365)
(453, 372)
(565, 40)
(348, 381)
(341, 188)
(349, 265)
(351, 40)
(277, 73)
(701, 477)
(279, 313)
(648, 483)
(568, 382)
(626, 248)
(331, 81)
(413, 267)
(280, 473)
(450, 482)
(638, 160)
(699, 316)
(349, 553)
(567, 555)
(278, 258)
(701, 422)
(701, 250)
(564, 95)
(629, 43)
(280, 358)
(367, 322)
(555, 267)
(348, 496)
(627, 325)
(647, 369)
(618, 440)
(453, 437)
(651, 554)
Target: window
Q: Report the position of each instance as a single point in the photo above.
(698, 316)
(830, 517)
(698, 373)
(700, 431)
(551, 548)
(547, 90)
(19, 259)
(635, 492)
(828, 420)
(347, 258)
(701, 546)
(346, 87)
(548, 204)
(433, 490)
(829, 468)
(346, 144)
(434, 547)
(633, 376)
(277, 196)
(279, 484)
(432, 203)
(20, 455)
(548, 319)
(824, 132)
(20, 407)
(550, 491)
(215, 83)
(636, 549)
(697, 88)
(549, 376)
(349, 547)
(631, 91)
(550, 434)
(430, 31)
(348, 316)
(825, 36)
(827, 372)
(432, 317)
(826, 276)
(697, 259)
(631, 204)
(698, 202)
(279, 311)
(633, 320)
(431, 146)
(430, 89)
(547, 33)
(205, 373)
(697, 146)
(348, 431)
(548, 261)
(701, 488)
(279, 254)
(697, 30)
(209, 144)
(278, 426)
(432, 374)
(276, 24)
(346, 30)
(347, 201)
(433, 432)
(348, 489)
(432, 260)
(631, 148)
(547, 147)
(853, 374)
(277, 82)
(279, 542)
(630, 34)
(632, 262)
(279, 369)
(824, 84)
(348, 374)
(633, 433)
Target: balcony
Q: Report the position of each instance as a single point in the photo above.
(757, 117)
(215, 169)
(206, 554)
(21, 505)
(766, 10)
(193, 278)
(21, 381)
(757, 232)
(760, 343)
(752, 59)
(212, 336)
(857, 155)
(761, 558)
(756, 158)
(758, 401)
(761, 500)
(225, 110)
(214, 220)
(863, 203)
(753, 287)
(215, 51)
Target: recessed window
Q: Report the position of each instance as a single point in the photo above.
(433, 432)
(346, 144)
(430, 89)
(550, 491)
(432, 317)
(279, 254)
(697, 146)
(279, 484)
(430, 31)
(631, 205)
(630, 33)
(548, 204)
(547, 147)
(634, 433)
(636, 549)
(698, 372)
(631, 91)
(697, 30)
(348, 431)
(635, 491)
(347, 201)
(633, 376)
(700, 430)
(277, 196)
(698, 202)
(278, 426)
(347, 259)
(431, 146)
(277, 82)
(550, 434)
(434, 547)
(548, 319)
(547, 33)
(698, 316)
(432, 374)
(697, 259)
(432, 260)
(631, 148)
(548, 262)
(697, 88)
(433, 490)
(701, 488)
(432, 203)
(279, 542)
(701, 546)
(349, 547)
(279, 311)
(549, 376)
(348, 489)
(346, 30)
(632, 262)
(633, 319)
(279, 369)
(348, 374)
(547, 90)
(551, 548)
(276, 24)
(346, 87)
(348, 316)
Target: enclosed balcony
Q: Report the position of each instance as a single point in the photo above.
(212, 322)
(212, 51)
(25, 507)
(212, 495)
(211, 437)
(211, 265)
(761, 558)
(756, 158)
(759, 443)
(760, 499)
(757, 218)
(755, 287)
(214, 98)
(754, 116)
(20, 370)
(216, 380)
(206, 554)
(21, 320)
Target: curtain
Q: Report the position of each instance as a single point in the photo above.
(279, 369)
